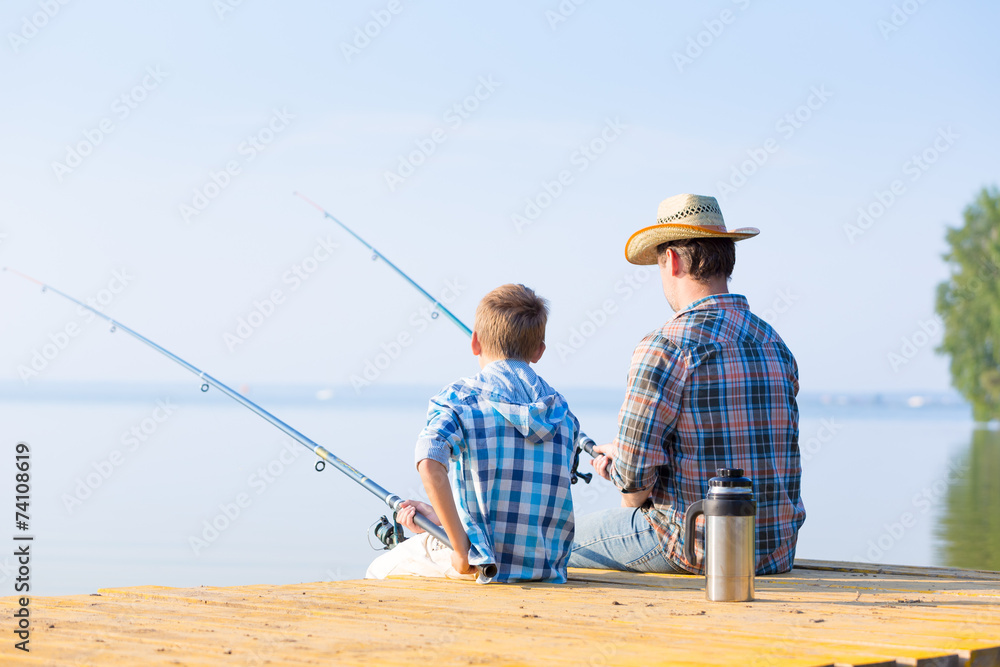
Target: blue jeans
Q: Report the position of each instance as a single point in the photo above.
(620, 539)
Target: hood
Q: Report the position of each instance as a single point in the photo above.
(522, 398)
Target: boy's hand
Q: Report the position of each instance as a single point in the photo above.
(460, 561)
(409, 509)
(434, 475)
(602, 464)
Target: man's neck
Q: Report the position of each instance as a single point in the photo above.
(692, 291)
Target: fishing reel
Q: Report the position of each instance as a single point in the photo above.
(389, 533)
(574, 474)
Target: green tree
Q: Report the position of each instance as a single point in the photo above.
(969, 304)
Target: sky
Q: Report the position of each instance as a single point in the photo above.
(151, 152)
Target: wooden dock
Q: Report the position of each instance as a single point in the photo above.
(821, 613)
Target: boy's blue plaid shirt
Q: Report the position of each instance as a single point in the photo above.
(511, 438)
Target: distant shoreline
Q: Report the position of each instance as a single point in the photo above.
(380, 394)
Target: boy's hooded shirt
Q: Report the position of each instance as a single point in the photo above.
(512, 439)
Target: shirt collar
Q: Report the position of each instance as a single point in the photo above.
(717, 302)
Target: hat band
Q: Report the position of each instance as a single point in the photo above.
(714, 228)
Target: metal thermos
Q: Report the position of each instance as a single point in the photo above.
(730, 561)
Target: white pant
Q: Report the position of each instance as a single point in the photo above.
(419, 556)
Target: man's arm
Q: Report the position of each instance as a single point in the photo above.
(434, 475)
(649, 414)
(602, 464)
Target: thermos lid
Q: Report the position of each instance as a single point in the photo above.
(730, 478)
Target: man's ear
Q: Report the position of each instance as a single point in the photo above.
(538, 355)
(477, 347)
(663, 259)
(671, 261)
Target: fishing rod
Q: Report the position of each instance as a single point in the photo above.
(390, 535)
(586, 443)
(377, 255)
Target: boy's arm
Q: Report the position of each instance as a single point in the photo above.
(434, 475)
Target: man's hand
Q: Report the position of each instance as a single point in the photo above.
(408, 510)
(602, 464)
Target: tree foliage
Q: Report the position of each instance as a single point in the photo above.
(969, 304)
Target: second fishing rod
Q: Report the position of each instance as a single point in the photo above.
(585, 443)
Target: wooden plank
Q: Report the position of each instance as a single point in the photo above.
(936, 661)
(986, 657)
(804, 618)
(902, 570)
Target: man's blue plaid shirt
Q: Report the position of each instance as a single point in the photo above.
(511, 438)
(714, 388)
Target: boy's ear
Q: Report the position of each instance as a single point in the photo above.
(477, 347)
(538, 355)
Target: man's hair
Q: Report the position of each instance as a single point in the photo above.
(510, 322)
(704, 258)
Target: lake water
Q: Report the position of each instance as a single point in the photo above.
(173, 487)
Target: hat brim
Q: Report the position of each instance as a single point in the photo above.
(641, 246)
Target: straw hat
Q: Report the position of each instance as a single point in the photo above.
(682, 217)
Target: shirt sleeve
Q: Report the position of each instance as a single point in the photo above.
(652, 402)
(795, 377)
(576, 434)
(442, 437)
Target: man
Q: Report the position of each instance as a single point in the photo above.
(713, 388)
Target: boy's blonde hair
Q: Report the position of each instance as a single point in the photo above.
(510, 322)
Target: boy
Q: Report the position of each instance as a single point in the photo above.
(511, 438)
